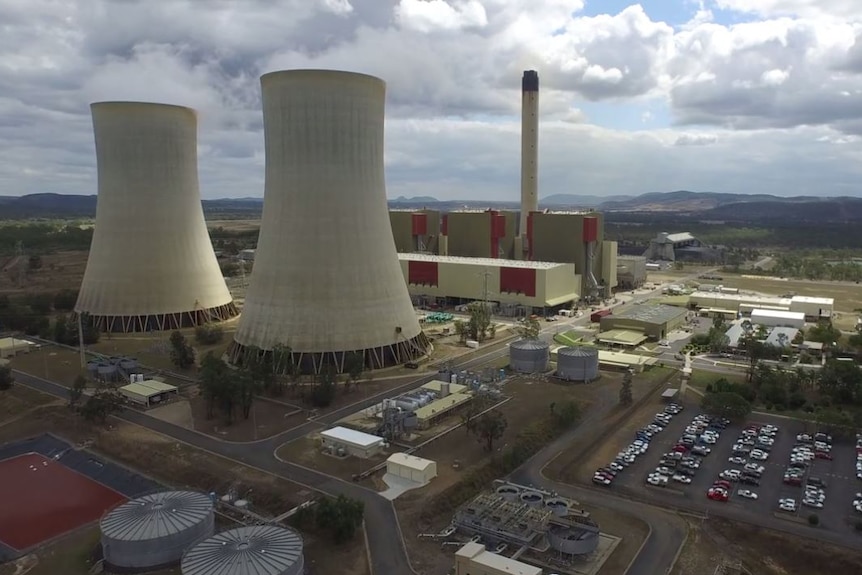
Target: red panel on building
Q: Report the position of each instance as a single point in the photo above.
(420, 224)
(498, 226)
(591, 229)
(518, 280)
(444, 225)
(422, 273)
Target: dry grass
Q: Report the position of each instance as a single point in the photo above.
(19, 400)
(61, 270)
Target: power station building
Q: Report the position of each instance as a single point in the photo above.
(631, 271)
(417, 231)
(454, 280)
(151, 264)
(326, 281)
(480, 233)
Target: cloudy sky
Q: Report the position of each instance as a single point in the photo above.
(719, 95)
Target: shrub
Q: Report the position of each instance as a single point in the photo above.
(208, 334)
(814, 520)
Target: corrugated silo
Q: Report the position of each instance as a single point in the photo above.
(155, 530)
(529, 356)
(151, 264)
(579, 363)
(327, 280)
(257, 549)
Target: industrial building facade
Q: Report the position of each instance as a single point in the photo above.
(654, 321)
(538, 285)
(631, 271)
(813, 308)
(416, 231)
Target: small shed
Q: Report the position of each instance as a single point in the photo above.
(353, 442)
(148, 392)
(411, 467)
(11, 346)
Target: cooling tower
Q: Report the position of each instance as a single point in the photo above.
(326, 279)
(151, 264)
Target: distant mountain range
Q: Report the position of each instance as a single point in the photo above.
(702, 205)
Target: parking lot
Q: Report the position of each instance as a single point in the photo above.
(839, 474)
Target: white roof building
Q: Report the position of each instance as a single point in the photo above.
(410, 467)
(351, 436)
(473, 558)
(778, 318)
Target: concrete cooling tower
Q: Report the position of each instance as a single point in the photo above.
(326, 279)
(151, 264)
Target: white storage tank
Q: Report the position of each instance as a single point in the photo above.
(579, 363)
(155, 530)
(255, 549)
(529, 356)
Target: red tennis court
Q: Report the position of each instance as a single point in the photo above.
(43, 499)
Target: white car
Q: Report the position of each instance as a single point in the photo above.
(747, 493)
(766, 440)
(708, 439)
(730, 474)
(812, 503)
(755, 467)
(681, 478)
(759, 455)
(657, 480)
(737, 460)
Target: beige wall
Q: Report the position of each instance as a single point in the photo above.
(402, 231)
(469, 235)
(609, 265)
(467, 281)
(559, 238)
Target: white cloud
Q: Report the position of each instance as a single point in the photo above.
(721, 101)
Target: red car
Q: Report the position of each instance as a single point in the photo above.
(822, 455)
(722, 484)
(680, 448)
(717, 494)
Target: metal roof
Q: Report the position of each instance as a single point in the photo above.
(351, 436)
(488, 262)
(157, 515)
(778, 314)
(680, 237)
(578, 351)
(652, 314)
(251, 550)
(410, 461)
(140, 389)
(530, 344)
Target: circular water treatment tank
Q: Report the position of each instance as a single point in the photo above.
(155, 530)
(128, 363)
(558, 506)
(580, 540)
(529, 356)
(578, 363)
(257, 549)
(532, 498)
(106, 369)
(508, 492)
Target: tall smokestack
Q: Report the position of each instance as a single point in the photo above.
(529, 146)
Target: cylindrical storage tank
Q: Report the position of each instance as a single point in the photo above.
(326, 255)
(128, 363)
(529, 356)
(257, 549)
(508, 492)
(155, 530)
(559, 506)
(532, 498)
(444, 389)
(580, 363)
(580, 540)
(148, 195)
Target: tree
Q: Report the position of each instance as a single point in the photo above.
(340, 517)
(461, 330)
(105, 401)
(490, 427)
(323, 393)
(6, 378)
(626, 389)
(814, 520)
(480, 320)
(208, 334)
(217, 387)
(474, 408)
(726, 404)
(182, 354)
(64, 300)
(34, 262)
(76, 392)
(354, 365)
(530, 328)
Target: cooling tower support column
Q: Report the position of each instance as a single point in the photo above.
(327, 281)
(529, 148)
(151, 264)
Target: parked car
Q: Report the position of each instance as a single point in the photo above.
(747, 494)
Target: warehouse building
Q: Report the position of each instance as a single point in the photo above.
(148, 392)
(428, 414)
(537, 285)
(417, 231)
(631, 271)
(345, 441)
(479, 234)
(474, 559)
(813, 308)
(416, 469)
(778, 318)
(653, 321)
(681, 246)
(10, 346)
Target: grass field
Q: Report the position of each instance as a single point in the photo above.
(571, 337)
(848, 296)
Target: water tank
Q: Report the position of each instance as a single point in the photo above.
(256, 549)
(128, 363)
(557, 505)
(529, 356)
(444, 389)
(579, 363)
(532, 498)
(155, 530)
(107, 370)
(508, 492)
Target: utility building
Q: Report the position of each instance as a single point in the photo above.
(326, 281)
(151, 264)
(631, 271)
(480, 234)
(654, 321)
